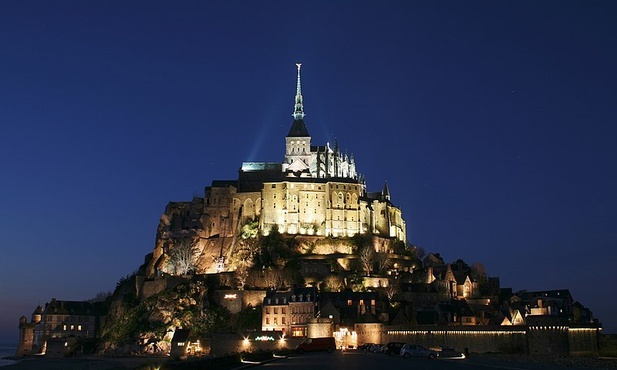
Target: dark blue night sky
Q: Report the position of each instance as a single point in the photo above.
(494, 124)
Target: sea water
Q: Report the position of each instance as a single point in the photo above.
(7, 350)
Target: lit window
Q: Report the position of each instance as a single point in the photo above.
(64, 327)
(79, 327)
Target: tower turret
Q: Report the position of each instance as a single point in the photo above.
(298, 140)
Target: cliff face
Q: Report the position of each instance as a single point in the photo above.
(189, 223)
(206, 236)
(146, 326)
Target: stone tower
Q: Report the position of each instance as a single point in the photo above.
(298, 141)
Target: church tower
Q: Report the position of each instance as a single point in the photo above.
(298, 141)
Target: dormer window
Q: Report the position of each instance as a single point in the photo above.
(269, 301)
(293, 298)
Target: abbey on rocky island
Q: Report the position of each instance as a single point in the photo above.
(316, 191)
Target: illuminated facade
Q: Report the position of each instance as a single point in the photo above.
(289, 312)
(314, 191)
(59, 320)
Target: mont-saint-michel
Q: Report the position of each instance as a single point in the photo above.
(303, 248)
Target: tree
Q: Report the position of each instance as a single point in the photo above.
(243, 258)
(366, 259)
(334, 283)
(392, 290)
(100, 297)
(181, 257)
(383, 262)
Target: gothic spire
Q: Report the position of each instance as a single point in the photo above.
(298, 108)
(386, 192)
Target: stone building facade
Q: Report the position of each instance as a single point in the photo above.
(315, 190)
(289, 312)
(66, 322)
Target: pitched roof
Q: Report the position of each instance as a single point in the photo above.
(298, 129)
(368, 318)
(81, 308)
(181, 335)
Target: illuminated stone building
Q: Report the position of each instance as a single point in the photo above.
(289, 312)
(60, 321)
(315, 191)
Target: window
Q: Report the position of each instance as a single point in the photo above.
(267, 321)
(276, 310)
(283, 320)
(275, 321)
(273, 186)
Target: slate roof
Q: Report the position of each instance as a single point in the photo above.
(81, 308)
(181, 335)
(368, 318)
(298, 129)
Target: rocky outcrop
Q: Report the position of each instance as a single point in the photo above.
(146, 326)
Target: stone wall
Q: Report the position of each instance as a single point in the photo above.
(230, 299)
(473, 339)
(496, 339)
(160, 284)
(253, 297)
(546, 340)
(228, 343)
(369, 332)
(607, 344)
(26, 338)
(583, 341)
(320, 327)
(236, 300)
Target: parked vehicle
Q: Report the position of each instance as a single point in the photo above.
(375, 348)
(448, 353)
(393, 348)
(416, 350)
(327, 344)
(365, 346)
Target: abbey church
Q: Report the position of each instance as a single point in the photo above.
(316, 191)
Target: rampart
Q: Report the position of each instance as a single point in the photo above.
(472, 339)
